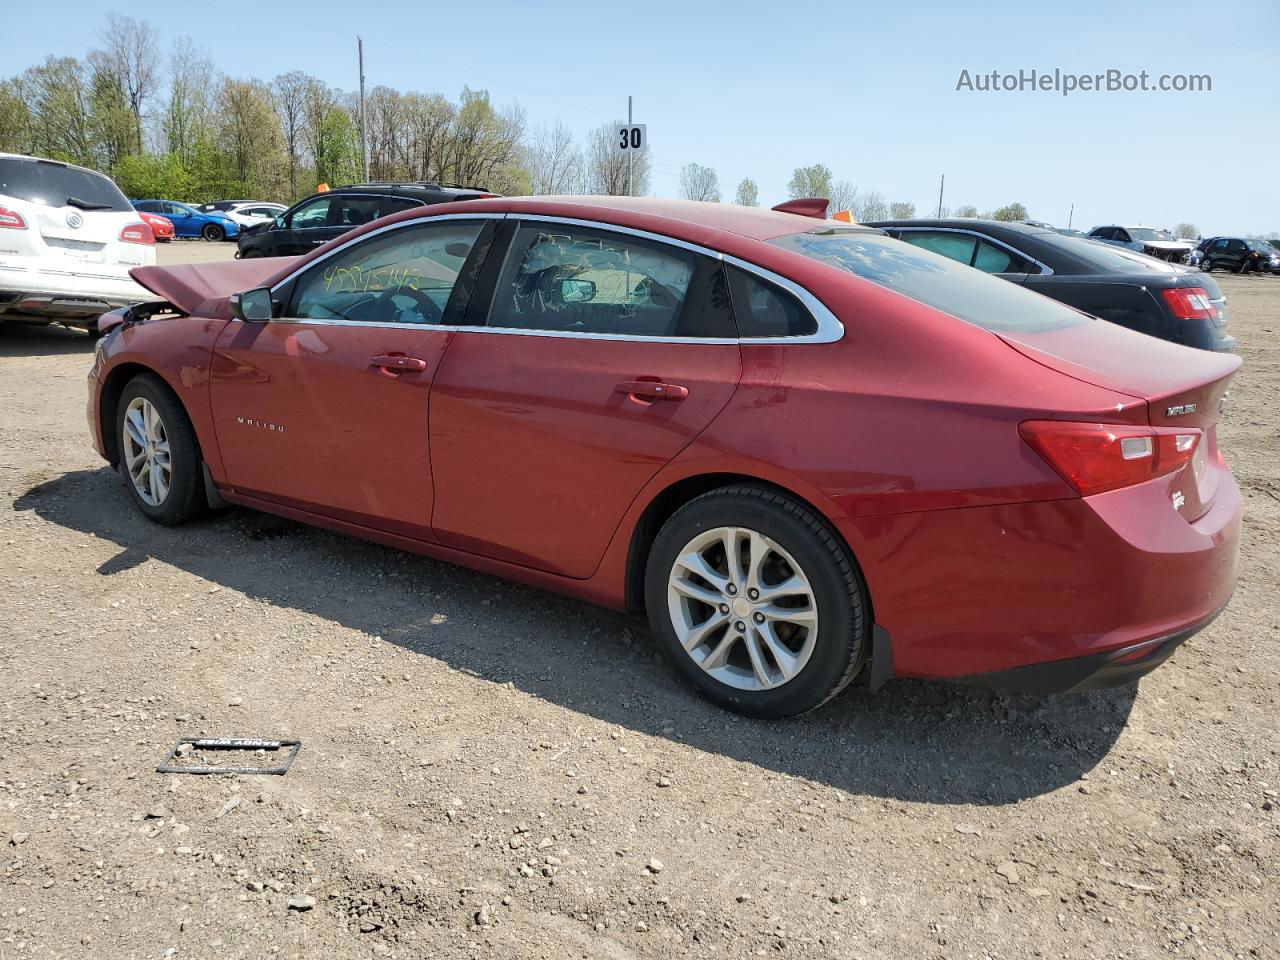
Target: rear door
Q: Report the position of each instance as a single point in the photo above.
(325, 409)
(601, 356)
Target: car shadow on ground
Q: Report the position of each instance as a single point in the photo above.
(911, 741)
(22, 339)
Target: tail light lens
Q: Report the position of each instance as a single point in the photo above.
(1095, 457)
(11, 219)
(138, 233)
(1189, 303)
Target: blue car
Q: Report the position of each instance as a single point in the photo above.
(190, 222)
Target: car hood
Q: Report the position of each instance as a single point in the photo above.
(203, 288)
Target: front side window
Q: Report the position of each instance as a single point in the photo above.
(955, 246)
(939, 282)
(403, 276)
(579, 280)
(312, 214)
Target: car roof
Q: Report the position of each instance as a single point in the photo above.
(993, 227)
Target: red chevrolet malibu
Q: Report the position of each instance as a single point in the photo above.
(804, 448)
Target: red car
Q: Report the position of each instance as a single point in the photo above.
(162, 227)
(802, 447)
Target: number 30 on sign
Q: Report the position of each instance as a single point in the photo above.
(633, 138)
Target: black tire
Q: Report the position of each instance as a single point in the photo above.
(213, 232)
(186, 498)
(251, 253)
(843, 640)
(1206, 265)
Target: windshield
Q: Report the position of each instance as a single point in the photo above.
(1262, 246)
(940, 282)
(56, 185)
(1146, 233)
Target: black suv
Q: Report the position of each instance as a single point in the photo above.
(322, 216)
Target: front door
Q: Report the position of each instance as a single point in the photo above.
(603, 356)
(325, 408)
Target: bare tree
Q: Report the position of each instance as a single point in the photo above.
(699, 183)
(843, 195)
(607, 168)
(288, 99)
(902, 210)
(870, 206)
(1188, 231)
(130, 48)
(553, 160)
(748, 193)
(187, 114)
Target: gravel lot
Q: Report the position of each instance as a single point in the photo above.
(491, 771)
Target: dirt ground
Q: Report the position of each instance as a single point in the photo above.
(491, 771)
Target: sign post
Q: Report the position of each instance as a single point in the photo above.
(630, 140)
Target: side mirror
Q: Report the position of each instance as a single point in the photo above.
(577, 291)
(252, 306)
(278, 223)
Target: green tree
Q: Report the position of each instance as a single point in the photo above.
(748, 194)
(1012, 211)
(814, 181)
(968, 211)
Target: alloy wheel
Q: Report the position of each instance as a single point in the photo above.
(145, 445)
(742, 608)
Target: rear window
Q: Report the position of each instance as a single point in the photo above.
(944, 284)
(39, 181)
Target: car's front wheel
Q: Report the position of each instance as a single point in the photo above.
(1206, 265)
(213, 232)
(159, 454)
(756, 603)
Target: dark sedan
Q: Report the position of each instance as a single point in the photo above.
(1130, 289)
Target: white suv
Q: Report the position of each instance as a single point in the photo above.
(68, 238)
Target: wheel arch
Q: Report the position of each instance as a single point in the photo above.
(109, 401)
(676, 493)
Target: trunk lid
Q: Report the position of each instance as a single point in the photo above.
(1182, 387)
(203, 288)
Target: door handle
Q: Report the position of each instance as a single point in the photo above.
(652, 390)
(394, 364)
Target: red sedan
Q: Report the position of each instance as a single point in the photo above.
(162, 227)
(803, 447)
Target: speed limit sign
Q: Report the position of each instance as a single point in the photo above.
(632, 138)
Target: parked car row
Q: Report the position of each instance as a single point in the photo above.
(1160, 244)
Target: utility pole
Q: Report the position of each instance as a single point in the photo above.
(942, 184)
(1071, 215)
(629, 193)
(364, 138)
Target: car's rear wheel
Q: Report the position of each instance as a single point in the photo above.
(1206, 265)
(250, 254)
(212, 231)
(159, 454)
(755, 602)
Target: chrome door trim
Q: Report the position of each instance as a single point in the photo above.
(1045, 269)
(830, 329)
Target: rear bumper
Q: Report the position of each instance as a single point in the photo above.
(1086, 584)
(68, 289)
(1099, 671)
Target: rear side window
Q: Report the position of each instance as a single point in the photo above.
(954, 246)
(764, 310)
(579, 280)
(992, 259)
(937, 281)
(56, 185)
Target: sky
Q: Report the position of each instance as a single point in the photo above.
(756, 89)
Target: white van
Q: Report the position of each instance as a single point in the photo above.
(68, 238)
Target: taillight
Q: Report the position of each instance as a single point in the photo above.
(11, 219)
(138, 233)
(1094, 457)
(1189, 303)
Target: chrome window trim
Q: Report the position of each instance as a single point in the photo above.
(1045, 269)
(830, 329)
